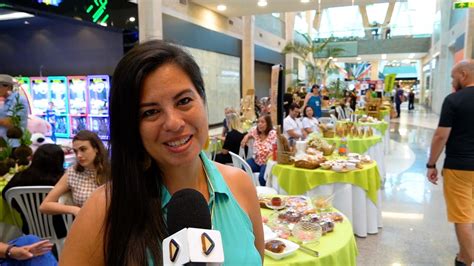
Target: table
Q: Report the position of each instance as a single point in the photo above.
(335, 248)
(9, 225)
(372, 146)
(357, 193)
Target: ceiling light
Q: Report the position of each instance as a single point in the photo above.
(221, 7)
(359, 58)
(384, 56)
(132, 19)
(412, 55)
(304, 1)
(262, 3)
(15, 15)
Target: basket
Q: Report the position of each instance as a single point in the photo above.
(307, 164)
(328, 133)
(328, 150)
(284, 157)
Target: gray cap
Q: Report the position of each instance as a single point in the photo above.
(4, 78)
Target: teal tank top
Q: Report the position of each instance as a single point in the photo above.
(227, 217)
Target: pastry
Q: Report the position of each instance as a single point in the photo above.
(276, 201)
(275, 246)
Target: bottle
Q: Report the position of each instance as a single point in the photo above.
(343, 147)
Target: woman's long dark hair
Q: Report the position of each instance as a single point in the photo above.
(101, 161)
(134, 226)
(47, 163)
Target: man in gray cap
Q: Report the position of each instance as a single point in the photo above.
(6, 91)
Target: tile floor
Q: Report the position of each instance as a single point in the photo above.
(415, 230)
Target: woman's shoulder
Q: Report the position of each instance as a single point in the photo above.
(235, 178)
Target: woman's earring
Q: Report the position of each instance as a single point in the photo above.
(206, 145)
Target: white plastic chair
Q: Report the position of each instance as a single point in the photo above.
(29, 199)
(66, 199)
(239, 163)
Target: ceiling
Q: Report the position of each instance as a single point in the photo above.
(237, 8)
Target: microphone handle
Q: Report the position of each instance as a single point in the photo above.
(195, 264)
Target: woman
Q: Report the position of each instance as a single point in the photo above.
(310, 123)
(156, 146)
(27, 250)
(314, 100)
(90, 171)
(45, 170)
(264, 136)
(232, 140)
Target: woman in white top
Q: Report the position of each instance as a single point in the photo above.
(310, 123)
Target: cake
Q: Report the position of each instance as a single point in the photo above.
(275, 246)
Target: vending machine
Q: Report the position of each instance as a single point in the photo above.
(98, 90)
(77, 88)
(59, 97)
(39, 95)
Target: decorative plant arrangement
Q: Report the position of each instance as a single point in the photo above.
(13, 160)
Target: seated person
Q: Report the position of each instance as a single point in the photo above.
(232, 140)
(292, 127)
(310, 123)
(343, 111)
(81, 179)
(27, 250)
(264, 136)
(45, 170)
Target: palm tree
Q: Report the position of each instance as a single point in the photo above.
(317, 69)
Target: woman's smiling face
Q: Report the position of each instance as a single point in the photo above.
(173, 119)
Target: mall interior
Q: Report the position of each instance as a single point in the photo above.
(257, 57)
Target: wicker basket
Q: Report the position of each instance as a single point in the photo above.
(284, 157)
(328, 133)
(307, 164)
(328, 150)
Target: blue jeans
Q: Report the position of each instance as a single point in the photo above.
(47, 259)
(258, 168)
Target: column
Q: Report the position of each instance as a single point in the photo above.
(469, 37)
(374, 70)
(365, 21)
(289, 58)
(248, 67)
(150, 22)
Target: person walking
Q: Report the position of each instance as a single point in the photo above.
(399, 97)
(455, 131)
(411, 100)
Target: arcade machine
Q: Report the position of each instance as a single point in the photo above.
(58, 90)
(77, 87)
(24, 84)
(98, 89)
(39, 95)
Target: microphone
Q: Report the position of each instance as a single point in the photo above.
(189, 225)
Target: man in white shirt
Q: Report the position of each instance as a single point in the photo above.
(292, 127)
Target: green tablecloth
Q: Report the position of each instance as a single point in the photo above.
(335, 248)
(380, 126)
(357, 145)
(297, 181)
(6, 214)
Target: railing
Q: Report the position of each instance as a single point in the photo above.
(271, 24)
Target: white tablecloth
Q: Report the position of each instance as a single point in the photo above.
(376, 152)
(351, 200)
